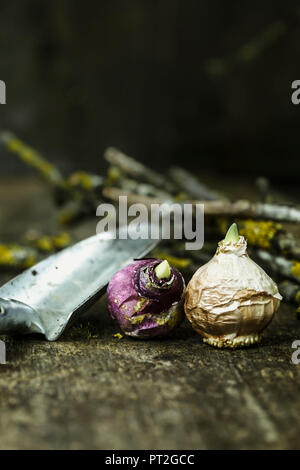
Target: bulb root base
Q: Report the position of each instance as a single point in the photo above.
(239, 341)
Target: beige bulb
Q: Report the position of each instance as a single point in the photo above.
(231, 300)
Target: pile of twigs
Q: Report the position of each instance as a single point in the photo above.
(78, 195)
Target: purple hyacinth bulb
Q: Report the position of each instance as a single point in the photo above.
(146, 298)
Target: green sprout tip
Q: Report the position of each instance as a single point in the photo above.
(232, 235)
(163, 270)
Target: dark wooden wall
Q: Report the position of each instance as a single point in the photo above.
(136, 74)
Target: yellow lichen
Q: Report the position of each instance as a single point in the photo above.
(182, 196)
(179, 263)
(113, 175)
(118, 336)
(48, 243)
(171, 318)
(34, 159)
(44, 243)
(259, 232)
(162, 319)
(29, 261)
(17, 256)
(81, 178)
(137, 319)
(296, 269)
(6, 255)
(61, 240)
(297, 298)
(140, 304)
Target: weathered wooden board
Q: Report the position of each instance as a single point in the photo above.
(91, 390)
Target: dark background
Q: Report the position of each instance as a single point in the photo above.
(141, 75)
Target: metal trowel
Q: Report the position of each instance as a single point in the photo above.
(47, 297)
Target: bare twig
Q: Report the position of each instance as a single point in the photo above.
(284, 267)
(132, 198)
(244, 208)
(241, 208)
(248, 52)
(115, 177)
(32, 158)
(137, 170)
(191, 186)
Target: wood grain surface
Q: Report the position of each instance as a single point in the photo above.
(90, 390)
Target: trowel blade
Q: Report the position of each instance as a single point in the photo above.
(46, 297)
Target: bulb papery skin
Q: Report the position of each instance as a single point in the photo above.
(231, 300)
(143, 305)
